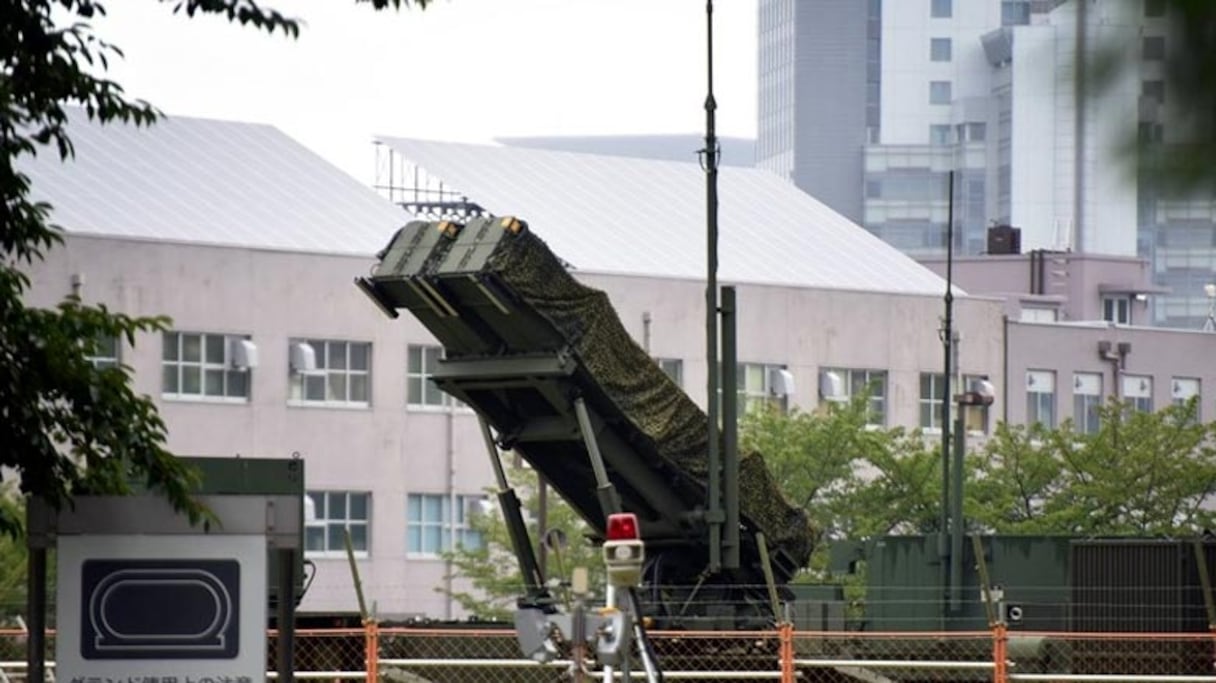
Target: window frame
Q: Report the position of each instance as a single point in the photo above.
(454, 527)
(932, 401)
(984, 412)
(857, 379)
(98, 356)
(1154, 89)
(429, 356)
(325, 522)
(1152, 48)
(941, 9)
(1137, 403)
(1008, 17)
(941, 92)
(1176, 400)
(936, 51)
(298, 381)
(1117, 309)
(204, 367)
(1038, 401)
(1085, 405)
(673, 368)
(750, 398)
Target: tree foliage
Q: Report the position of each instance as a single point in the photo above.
(1188, 71)
(1141, 474)
(491, 572)
(69, 427)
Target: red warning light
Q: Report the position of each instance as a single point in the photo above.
(623, 527)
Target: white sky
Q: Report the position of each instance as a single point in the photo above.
(462, 70)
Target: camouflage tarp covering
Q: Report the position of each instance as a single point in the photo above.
(639, 388)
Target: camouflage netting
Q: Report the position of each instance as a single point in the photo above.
(643, 392)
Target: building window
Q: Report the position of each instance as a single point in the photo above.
(1041, 398)
(939, 49)
(1150, 132)
(939, 135)
(1153, 48)
(1117, 309)
(941, 9)
(196, 365)
(1086, 401)
(756, 387)
(932, 390)
(939, 92)
(673, 368)
(1015, 12)
(1035, 314)
(851, 383)
(1138, 392)
(1154, 90)
(335, 513)
(420, 388)
(329, 372)
(1183, 389)
(432, 523)
(1154, 8)
(975, 417)
(106, 352)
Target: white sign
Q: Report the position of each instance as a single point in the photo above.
(161, 608)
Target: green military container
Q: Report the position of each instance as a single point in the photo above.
(905, 589)
(258, 477)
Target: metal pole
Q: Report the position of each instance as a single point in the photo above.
(610, 503)
(508, 502)
(713, 506)
(730, 432)
(285, 620)
(36, 623)
(542, 523)
(947, 344)
(956, 514)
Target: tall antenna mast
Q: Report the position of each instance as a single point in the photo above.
(710, 164)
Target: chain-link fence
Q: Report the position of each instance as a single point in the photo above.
(406, 654)
(329, 654)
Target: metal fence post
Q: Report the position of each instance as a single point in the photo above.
(999, 652)
(785, 635)
(371, 632)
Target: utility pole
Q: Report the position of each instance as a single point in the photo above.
(947, 336)
(710, 164)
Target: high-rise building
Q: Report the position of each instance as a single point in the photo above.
(870, 105)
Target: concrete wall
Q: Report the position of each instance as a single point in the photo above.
(1074, 283)
(1067, 349)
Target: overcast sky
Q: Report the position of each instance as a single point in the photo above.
(462, 70)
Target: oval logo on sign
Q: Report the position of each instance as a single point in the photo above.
(160, 609)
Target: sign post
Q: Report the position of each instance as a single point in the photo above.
(143, 595)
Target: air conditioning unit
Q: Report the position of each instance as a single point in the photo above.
(476, 507)
(243, 354)
(1004, 239)
(780, 382)
(831, 386)
(302, 357)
